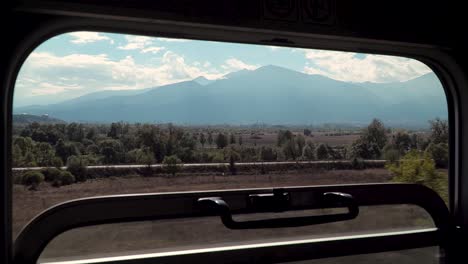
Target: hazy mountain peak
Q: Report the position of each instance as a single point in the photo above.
(272, 67)
(202, 80)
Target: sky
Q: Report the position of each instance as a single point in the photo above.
(74, 64)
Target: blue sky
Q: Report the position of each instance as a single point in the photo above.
(74, 64)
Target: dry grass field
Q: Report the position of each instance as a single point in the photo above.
(27, 204)
(270, 138)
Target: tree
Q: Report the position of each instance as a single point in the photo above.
(439, 153)
(249, 154)
(363, 149)
(77, 166)
(402, 142)
(65, 150)
(91, 134)
(221, 141)
(307, 132)
(267, 154)
(283, 136)
(29, 160)
(439, 131)
(376, 133)
(210, 138)
(202, 139)
(17, 156)
(39, 135)
(300, 141)
(240, 140)
(232, 139)
(44, 154)
(25, 144)
(145, 156)
(290, 150)
(112, 151)
(371, 142)
(233, 157)
(308, 152)
(172, 164)
(322, 152)
(115, 130)
(391, 153)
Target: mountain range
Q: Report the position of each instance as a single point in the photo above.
(269, 94)
(24, 119)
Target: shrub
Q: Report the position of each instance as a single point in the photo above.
(415, 167)
(439, 153)
(308, 152)
(233, 157)
(51, 174)
(32, 179)
(358, 163)
(322, 152)
(391, 154)
(57, 162)
(171, 164)
(268, 154)
(18, 178)
(65, 178)
(77, 166)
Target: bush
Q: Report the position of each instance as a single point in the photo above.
(17, 178)
(51, 174)
(171, 164)
(65, 178)
(57, 162)
(32, 179)
(391, 154)
(77, 166)
(358, 163)
(439, 153)
(416, 167)
(268, 154)
(322, 152)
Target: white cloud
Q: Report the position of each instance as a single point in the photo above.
(51, 89)
(153, 50)
(76, 74)
(84, 37)
(141, 43)
(348, 66)
(234, 64)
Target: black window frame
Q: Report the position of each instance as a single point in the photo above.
(42, 22)
(35, 236)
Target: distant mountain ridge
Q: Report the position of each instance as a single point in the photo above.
(27, 119)
(269, 94)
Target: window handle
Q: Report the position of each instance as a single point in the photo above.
(217, 206)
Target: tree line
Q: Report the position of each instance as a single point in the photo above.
(121, 143)
(79, 145)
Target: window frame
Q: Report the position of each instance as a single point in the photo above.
(162, 206)
(55, 20)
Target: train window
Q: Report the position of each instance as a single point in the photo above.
(179, 234)
(111, 114)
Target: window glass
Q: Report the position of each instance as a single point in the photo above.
(98, 113)
(209, 232)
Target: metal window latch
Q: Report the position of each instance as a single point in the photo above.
(279, 201)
